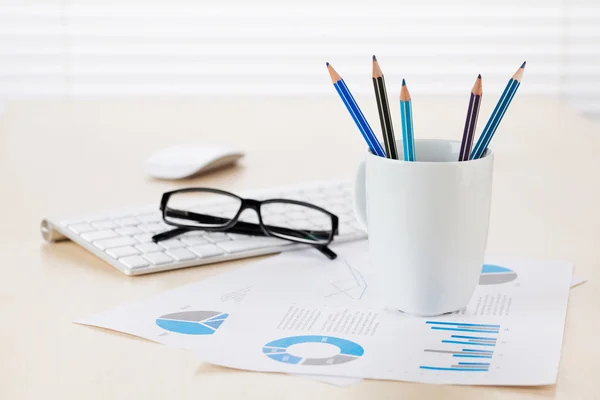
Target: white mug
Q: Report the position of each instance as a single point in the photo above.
(427, 222)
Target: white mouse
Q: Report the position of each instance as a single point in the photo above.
(184, 161)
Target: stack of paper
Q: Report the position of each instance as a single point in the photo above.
(300, 313)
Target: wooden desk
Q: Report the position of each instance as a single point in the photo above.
(62, 158)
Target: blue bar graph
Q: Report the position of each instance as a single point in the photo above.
(461, 324)
(463, 346)
(463, 330)
(469, 363)
(472, 337)
(483, 369)
(472, 344)
(470, 356)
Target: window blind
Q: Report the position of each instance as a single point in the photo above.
(93, 48)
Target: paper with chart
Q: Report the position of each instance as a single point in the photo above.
(189, 316)
(510, 334)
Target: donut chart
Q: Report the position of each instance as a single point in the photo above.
(278, 350)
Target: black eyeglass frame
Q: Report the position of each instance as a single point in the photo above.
(233, 225)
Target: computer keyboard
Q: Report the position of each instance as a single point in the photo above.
(124, 238)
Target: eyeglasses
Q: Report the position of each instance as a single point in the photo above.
(219, 211)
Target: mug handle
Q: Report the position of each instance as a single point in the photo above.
(360, 196)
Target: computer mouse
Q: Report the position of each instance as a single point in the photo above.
(180, 162)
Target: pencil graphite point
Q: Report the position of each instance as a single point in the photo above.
(374, 58)
(403, 82)
(479, 76)
(327, 64)
(523, 65)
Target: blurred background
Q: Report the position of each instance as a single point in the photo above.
(90, 48)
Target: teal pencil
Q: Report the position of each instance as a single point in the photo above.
(408, 139)
(497, 115)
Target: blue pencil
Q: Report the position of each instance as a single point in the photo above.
(408, 138)
(492, 124)
(355, 112)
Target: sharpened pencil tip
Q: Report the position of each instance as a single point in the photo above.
(327, 64)
(374, 58)
(523, 65)
(479, 76)
(403, 82)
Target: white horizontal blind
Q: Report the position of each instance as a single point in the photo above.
(581, 80)
(83, 48)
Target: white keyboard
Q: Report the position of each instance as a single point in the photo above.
(123, 239)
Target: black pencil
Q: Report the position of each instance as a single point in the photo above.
(471, 122)
(383, 106)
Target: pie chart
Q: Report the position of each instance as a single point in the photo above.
(192, 322)
(279, 350)
(496, 275)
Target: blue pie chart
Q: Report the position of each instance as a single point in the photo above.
(192, 322)
(278, 350)
(496, 275)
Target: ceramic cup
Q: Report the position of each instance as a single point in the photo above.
(427, 222)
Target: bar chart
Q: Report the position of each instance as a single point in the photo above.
(468, 347)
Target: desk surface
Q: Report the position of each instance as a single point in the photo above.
(65, 158)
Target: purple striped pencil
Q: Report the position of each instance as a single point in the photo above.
(471, 122)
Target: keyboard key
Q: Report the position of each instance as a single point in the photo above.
(338, 208)
(105, 224)
(99, 235)
(158, 258)
(181, 254)
(68, 222)
(274, 219)
(206, 250)
(119, 252)
(347, 229)
(129, 231)
(321, 221)
(144, 238)
(115, 242)
(236, 236)
(134, 262)
(216, 237)
(149, 218)
(127, 221)
(151, 228)
(238, 246)
(149, 248)
(301, 224)
(81, 228)
(166, 227)
(316, 195)
(249, 216)
(296, 215)
(172, 244)
(96, 218)
(194, 240)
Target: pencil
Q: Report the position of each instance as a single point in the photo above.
(355, 112)
(492, 124)
(408, 140)
(383, 106)
(471, 122)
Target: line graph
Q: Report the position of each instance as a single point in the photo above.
(353, 285)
